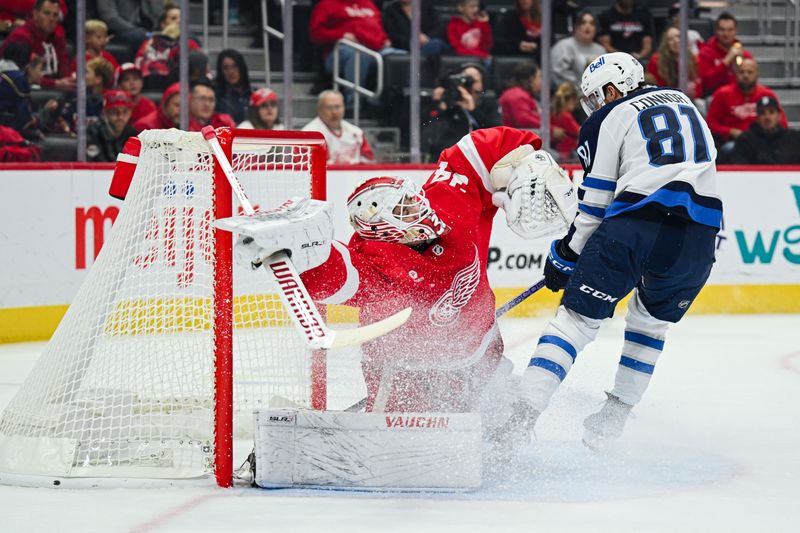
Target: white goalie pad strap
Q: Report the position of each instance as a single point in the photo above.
(368, 451)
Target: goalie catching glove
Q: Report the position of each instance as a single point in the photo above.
(536, 194)
(300, 226)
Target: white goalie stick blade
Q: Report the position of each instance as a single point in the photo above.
(368, 451)
(292, 291)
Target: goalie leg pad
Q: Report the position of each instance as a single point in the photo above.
(368, 451)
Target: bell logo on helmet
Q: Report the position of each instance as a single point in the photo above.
(597, 64)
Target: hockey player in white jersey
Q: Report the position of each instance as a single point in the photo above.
(648, 215)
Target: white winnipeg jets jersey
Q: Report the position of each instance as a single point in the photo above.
(652, 146)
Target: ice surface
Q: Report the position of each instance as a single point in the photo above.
(714, 446)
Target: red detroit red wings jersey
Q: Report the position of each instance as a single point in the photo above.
(452, 326)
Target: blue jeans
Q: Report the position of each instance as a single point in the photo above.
(347, 69)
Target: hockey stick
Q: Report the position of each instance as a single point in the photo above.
(508, 306)
(511, 304)
(291, 289)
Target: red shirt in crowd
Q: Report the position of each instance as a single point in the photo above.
(105, 55)
(142, 106)
(710, 68)
(217, 120)
(731, 108)
(695, 86)
(567, 145)
(520, 109)
(470, 39)
(21, 9)
(331, 19)
(52, 47)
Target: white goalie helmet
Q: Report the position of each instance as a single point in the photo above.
(621, 70)
(390, 209)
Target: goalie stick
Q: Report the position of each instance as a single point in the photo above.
(292, 291)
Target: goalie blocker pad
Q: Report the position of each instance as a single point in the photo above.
(368, 451)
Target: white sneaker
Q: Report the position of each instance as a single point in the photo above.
(606, 425)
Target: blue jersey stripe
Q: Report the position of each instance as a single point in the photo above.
(638, 366)
(704, 215)
(644, 340)
(598, 212)
(549, 365)
(597, 183)
(561, 343)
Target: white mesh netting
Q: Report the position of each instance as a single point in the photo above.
(125, 388)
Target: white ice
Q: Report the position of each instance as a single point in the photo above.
(714, 446)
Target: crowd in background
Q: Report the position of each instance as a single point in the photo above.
(746, 118)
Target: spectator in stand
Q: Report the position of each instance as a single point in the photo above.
(232, 84)
(346, 142)
(63, 119)
(562, 122)
(624, 28)
(767, 141)
(469, 32)
(663, 65)
(34, 72)
(167, 115)
(733, 108)
(570, 57)
(16, 110)
(96, 41)
(694, 37)
(130, 20)
(518, 101)
(460, 106)
(129, 79)
(157, 55)
(106, 137)
(198, 67)
(519, 31)
(202, 103)
(263, 111)
(45, 36)
(358, 21)
(718, 58)
(397, 23)
(14, 13)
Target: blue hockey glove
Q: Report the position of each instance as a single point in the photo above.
(559, 266)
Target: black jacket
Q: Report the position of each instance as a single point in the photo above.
(509, 32)
(101, 145)
(447, 127)
(757, 147)
(398, 26)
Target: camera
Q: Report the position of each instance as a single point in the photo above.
(451, 93)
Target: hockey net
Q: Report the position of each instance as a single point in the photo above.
(166, 340)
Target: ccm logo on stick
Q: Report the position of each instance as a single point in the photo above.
(598, 294)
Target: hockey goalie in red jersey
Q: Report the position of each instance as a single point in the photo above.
(427, 248)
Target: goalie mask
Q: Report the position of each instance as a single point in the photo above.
(392, 209)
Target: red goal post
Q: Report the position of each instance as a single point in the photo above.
(168, 346)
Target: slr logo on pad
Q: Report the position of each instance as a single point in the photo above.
(597, 64)
(282, 419)
(311, 244)
(598, 294)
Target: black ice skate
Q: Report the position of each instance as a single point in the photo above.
(607, 424)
